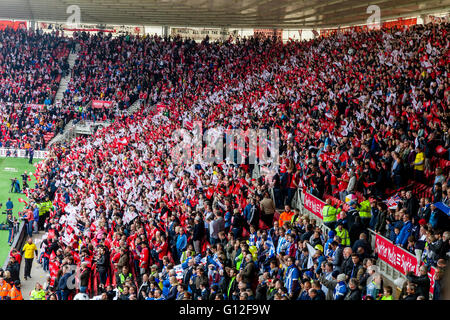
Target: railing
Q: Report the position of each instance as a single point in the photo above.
(385, 268)
(135, 106)
(18, 241)
(66, 135)
(256, 173)
(391, 258)
(22, 153)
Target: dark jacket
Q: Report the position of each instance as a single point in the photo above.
(355, 269)
(248, 274)
(187, 274)
(423, 285)
(199, 231)
(411, 297)
(320, 295)
(346, 266)
(238, 221)
(353, 295)
(84, 277)
(14, 270)
(172, 293)
(362, 243)
(381, 223)
(412, 206)
(306, 235)
(123, 260)
(62, 284)
(232, 287)
(145, 287)
(201, 280)
(102, 264)
(339, 257)
(261, 292)
(355, 231)
(424, 213)
(270, 295)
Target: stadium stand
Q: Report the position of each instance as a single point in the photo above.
(363, 121)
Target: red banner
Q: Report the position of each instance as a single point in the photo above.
(101, 104)
(36, 106)
(431, 274)
(13, 24)
(400, 259)
(266, 33)
(387, 25)
(314, 205)
(400, 23)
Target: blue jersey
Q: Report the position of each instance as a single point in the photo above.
(282, 245)
(292, 274)
(340, 291)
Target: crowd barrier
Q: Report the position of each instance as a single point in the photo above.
(393, 261)
(22, 153)
(18, 241)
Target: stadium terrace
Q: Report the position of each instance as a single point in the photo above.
(361, 183)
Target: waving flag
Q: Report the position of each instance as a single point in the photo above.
(443, 207)
(129, 216)
(23, 201)
(440, 150)
(269, 243)
(178, 271)
(393, 201)
(368, 184)
(311, 252)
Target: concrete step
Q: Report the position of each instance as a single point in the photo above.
(37, 273)
(66, 80)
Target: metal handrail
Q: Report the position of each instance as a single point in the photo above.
(18, 241)
(385, 269)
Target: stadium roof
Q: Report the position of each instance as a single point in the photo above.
(219, 13)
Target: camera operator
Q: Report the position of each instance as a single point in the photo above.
(16, 185)
(25, 180)
(13, 185)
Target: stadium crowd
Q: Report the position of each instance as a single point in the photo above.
(357, 113)
(31, 66)
(112, 69)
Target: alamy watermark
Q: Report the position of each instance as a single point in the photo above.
(374, 20)
(215, 145)
(75, 15)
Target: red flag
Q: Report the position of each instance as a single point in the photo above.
(209, 193)
(440, 150)
(262, 225)
(368, 184)
(343, 157)
(23, 201)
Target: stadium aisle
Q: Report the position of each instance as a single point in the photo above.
(37, 273)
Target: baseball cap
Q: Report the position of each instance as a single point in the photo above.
(319, 247)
